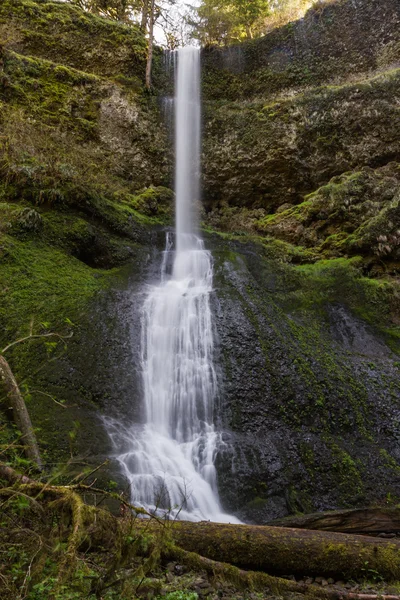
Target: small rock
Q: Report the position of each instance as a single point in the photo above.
(309, 580)
(340, 583)
(179, 570)
(319, 580)
(386, 535)
(331, 581)
(324, 582)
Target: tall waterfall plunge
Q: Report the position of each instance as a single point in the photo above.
(169, 461)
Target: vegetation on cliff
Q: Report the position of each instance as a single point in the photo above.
(64, 193)
(84, 175)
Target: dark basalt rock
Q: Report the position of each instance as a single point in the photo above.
(309, 393)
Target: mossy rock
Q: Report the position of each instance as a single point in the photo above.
(356, 213)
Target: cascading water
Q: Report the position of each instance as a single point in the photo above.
(169, 461)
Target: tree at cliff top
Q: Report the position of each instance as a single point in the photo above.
(230, 21)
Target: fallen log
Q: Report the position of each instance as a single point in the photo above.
(356, 520)
(287, 551)
(251, 580)
(20, 413)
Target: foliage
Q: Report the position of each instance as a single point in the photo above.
(180, 596)
(119, 10)
(228, 21)
(224, 21)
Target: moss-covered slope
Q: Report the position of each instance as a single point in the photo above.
(65, 34)
(83, 159)
(84, 168)
(337, 40)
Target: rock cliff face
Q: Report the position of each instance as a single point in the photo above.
(309, 384)
(313, 101)
(301, 177)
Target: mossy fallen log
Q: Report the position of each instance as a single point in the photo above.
(252, 580)
(281, 551)
(356, 520)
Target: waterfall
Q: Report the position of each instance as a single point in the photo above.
(169, 461)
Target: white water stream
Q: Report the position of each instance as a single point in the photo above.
(169, 461)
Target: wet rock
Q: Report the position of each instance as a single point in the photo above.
(180, 570)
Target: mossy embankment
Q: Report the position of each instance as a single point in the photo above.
(85, 170)
(336, 41)
(64, 34)
(271, 158)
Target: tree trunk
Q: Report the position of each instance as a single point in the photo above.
(150, 51)
(357, 520)
(145, 14)
(20, 413)
(284, 551)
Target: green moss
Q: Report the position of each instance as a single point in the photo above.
(347, 474)
(64, 33)
(390, 461)
(374, 301)
(150, 202)
(42, 283)
(53, 94)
